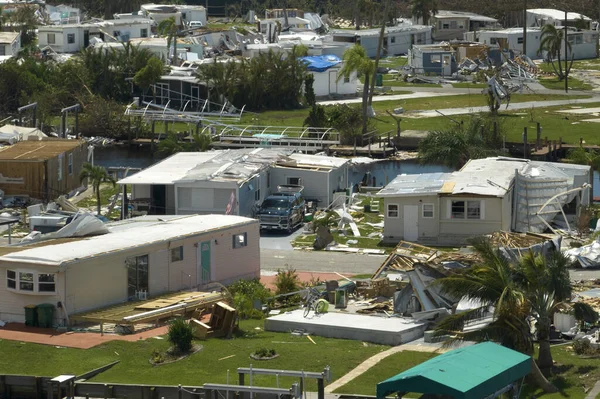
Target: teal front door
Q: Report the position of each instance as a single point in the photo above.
(205, 275)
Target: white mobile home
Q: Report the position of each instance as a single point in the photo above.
(149, 254)
(397, 40)
(72, 38)
(328, 80)
(539, 17)
(486, 195)
(583, 43)
(320, 176)
(10, 44)
(207, 182)
(452, 25)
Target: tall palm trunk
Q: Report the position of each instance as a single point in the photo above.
(99, 207)
(540, 380)
(365, 103)
(545, 354)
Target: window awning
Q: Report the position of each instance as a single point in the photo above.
(473, 372)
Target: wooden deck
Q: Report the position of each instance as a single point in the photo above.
(155, 309)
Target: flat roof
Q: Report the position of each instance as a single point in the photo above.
(376, 32)
(8, 37)
(441, 14)
(123, 235)
(557, 14)
(226, 165)
(474, 372)
(487, 176)
(38, 150)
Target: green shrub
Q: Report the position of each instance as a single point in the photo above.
(180, 335)
(157, 357)
(243, 293)
(582, 346)
(264, 352)
(286, 281)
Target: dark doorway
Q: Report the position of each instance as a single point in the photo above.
(159, 200)
(86, 38)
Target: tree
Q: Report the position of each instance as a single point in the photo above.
(423, 9)
(27, 22)
(168, 28)
(96, 175)
(582, 156)
(146, 77)
(551, 41)
(529, 289)
(584, 313)
(309, 90)
(455, 145)
(356, 61)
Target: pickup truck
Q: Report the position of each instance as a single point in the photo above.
(283, 210)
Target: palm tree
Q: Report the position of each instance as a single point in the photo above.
(581, 156)
(96, 175)
(168, 28)
(551, 41)
(356, 60)
(584, 313)
(518, 293)
(457, 144)
(423, 9)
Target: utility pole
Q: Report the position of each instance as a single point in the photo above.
(566, 56)
(524, 27)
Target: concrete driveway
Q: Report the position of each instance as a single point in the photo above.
(279, 240)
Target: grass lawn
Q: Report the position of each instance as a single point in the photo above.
(555, 84)
(106, 191)
(361, 219)
(592, 64)
(393, 62)
(571, 374)
(296, 353)
(366, 383)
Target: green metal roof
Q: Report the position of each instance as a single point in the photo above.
(473, 372)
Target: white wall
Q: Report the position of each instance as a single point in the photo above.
(11, 48)
(327, 83)
(441, 229)
(95, 283)
(203, 197)
(193, 14)
(61, 44)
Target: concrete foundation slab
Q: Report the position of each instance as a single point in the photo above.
(379, 330)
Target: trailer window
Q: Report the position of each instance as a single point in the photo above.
(240, 240)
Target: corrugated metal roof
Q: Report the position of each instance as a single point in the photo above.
(124, 235)
(488, 176)
(225, 165)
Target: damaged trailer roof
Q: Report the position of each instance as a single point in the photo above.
(123, 235)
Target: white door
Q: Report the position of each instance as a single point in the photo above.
(447, 65)
(333, 82)
(411, 222)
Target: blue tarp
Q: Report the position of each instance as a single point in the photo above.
(320, 63)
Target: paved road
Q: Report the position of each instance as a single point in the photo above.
(320, 261)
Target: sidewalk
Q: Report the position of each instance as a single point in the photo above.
(415, 346)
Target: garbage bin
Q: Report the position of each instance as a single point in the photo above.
(379, 80)
(31, 315)
(341, 298)
(367, 208)
(45, 315)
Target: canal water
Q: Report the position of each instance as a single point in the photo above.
(380, 173)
